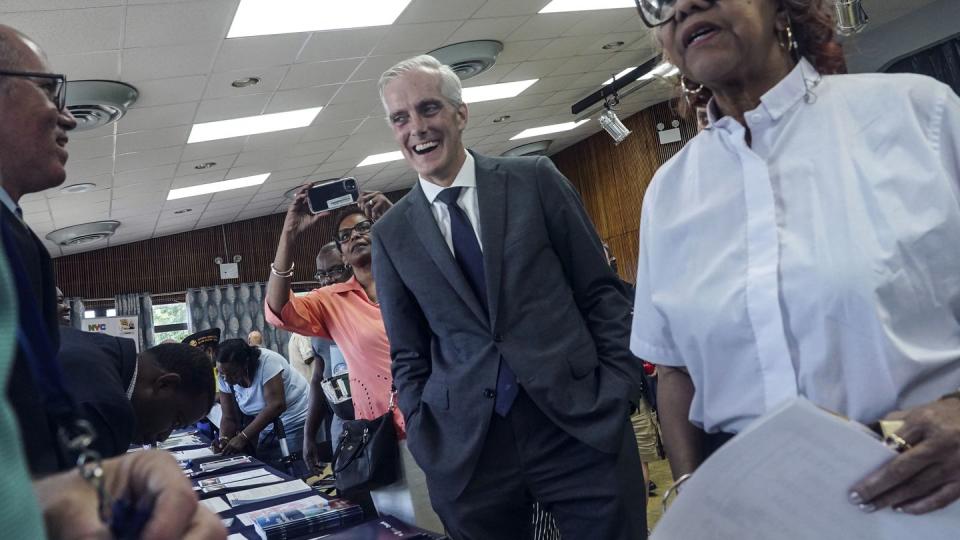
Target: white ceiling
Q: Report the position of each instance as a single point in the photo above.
(176, 54)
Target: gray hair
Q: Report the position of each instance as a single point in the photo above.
(450, 86)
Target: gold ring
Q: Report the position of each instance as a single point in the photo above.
(897, 443)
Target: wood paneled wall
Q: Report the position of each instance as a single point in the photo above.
(612, 179)
(181, 261)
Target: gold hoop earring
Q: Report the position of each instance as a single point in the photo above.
(687, 91)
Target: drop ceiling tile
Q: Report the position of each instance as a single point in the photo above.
(148, 159)
(164, 172)
(546, 25)
(497, 29)
(71, 31)
(504, 8)
(520, 51)
(212, 110)
(89, 65)
(100, 192)
(141, 189)
(319, 73)
(208, 151)
(79, 169)
(13, 6)
(624, 59)
(555, 84)
(147, 63)
(220, 84)
(134, 211)
(164, 116)
(90, 148)
(492, 75)
(240, 196)
(366, 91)
(288, 176)
(168, 91)
(302, 98)
(534, 70)
(153, 25)
(65, 210)
(251, 53)
(570, 46)
(416, 38)
(605, 21)
(33, 206)
(152, 139)
(338, 44)
(334, 114)
(274, 143)
(423, 11)
(197, 179)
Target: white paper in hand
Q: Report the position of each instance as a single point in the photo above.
(787, 476)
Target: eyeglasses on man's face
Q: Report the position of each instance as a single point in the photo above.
(53, 84)
(334, 272)
(656, 12)
(343, 235)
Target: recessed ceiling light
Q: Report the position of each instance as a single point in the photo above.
(499, 119)
(251, 125)
(215, 187)
(266, 17)
(205, 165)
(544, 130)
(78, 188)
(557, 6)
(490, 92)
(245, 82)
(618, 75)
(612, 45)
(184, 211)
(381, 158)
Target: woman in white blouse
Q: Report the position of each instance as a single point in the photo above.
(805, 243)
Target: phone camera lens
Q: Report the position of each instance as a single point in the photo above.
(350, 185)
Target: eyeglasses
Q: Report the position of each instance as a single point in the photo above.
(334, 272)
(343, 235)
(656, 12)
(54, 84)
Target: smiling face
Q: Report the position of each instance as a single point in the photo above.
(727, 42)
(34, 137)
(426, 125)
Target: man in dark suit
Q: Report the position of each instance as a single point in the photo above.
(32, 159)
(508, 331)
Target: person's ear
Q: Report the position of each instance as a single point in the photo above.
(168, 382)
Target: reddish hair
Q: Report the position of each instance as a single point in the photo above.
(814, 29)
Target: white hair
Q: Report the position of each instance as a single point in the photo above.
(450, 86)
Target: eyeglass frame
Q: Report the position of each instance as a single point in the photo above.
(644, 17)
(337, 270)
(350, 230)
(59, 99)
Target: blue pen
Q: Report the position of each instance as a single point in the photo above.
(127, 521)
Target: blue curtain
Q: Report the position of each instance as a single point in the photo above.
(138, 305)
(235, 310)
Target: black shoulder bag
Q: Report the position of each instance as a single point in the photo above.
(368, 454)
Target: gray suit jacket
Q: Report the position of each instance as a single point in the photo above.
(558, 316)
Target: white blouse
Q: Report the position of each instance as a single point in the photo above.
(823, 261)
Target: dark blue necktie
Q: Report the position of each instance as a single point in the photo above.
(466, 249)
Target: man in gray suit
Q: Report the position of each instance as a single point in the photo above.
(508, 331)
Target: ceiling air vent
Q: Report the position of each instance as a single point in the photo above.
(469, 58)
(84, 233)
(537, 148)
(99, 103)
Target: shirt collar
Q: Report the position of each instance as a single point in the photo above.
(8, 202)
(467, 177)
(349, 285)
(779, 99)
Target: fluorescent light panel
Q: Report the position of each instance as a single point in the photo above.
(490, 92)
(665, 69)
(252, 125)
(215, 187)
(376, 159)
(618, 75)
(546, 130)
(559, 6)
(267, 17)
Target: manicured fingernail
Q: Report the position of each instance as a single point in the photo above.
(867, 507)
(855, 497)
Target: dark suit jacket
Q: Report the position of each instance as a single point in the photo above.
(36, 428)
(558, 316)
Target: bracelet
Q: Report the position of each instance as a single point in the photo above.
(243, 435)
(283, 273)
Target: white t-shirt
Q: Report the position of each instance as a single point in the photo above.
(295, 388)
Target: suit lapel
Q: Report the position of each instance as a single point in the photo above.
(492, 198)
(425, 225)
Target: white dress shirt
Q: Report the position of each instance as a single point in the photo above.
(822, 261)
(467, 179)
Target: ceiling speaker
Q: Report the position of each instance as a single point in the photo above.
(99, 103)
(469, 58)
(85, 233)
